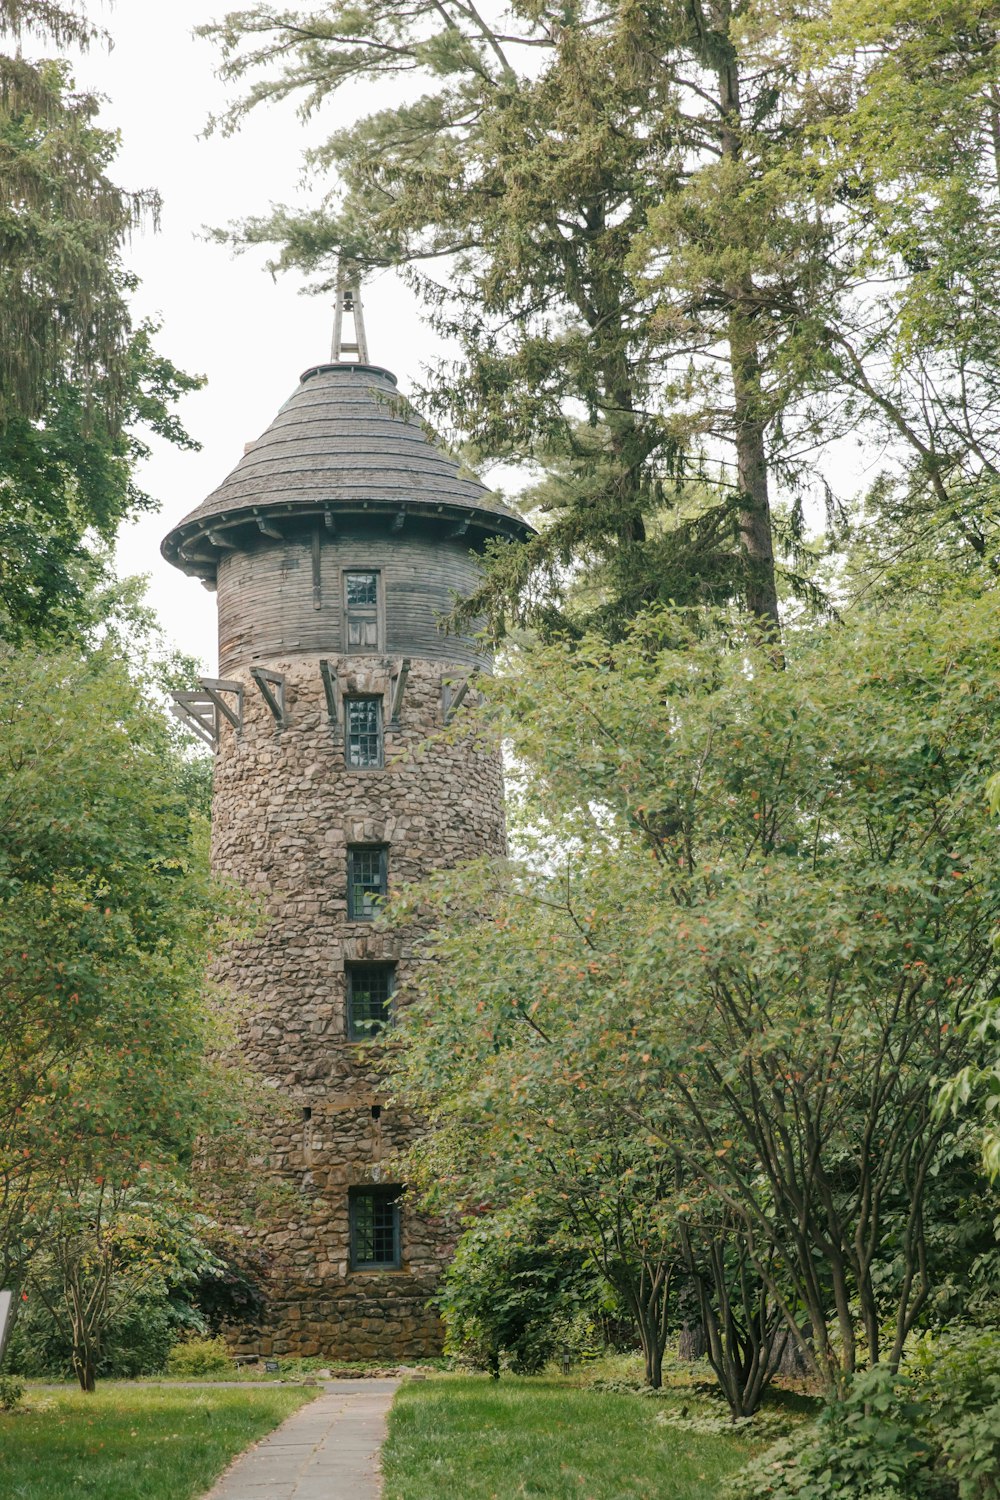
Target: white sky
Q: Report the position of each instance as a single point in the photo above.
(223, 316)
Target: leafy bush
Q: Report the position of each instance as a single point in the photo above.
(865, 1447)
(140, 1343)
(962, 1380)
(932, 1433)
(199, 1356)
(11, 1392)
(509, 1297)
(135, 1344)
(232, 1291)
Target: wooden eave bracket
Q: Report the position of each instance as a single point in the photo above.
(187, 552)
(398, 690)
(268, 528)
(199, 710)
(272, 690)
(332, 693)
(196, 712)
(452, 698)
(220, 539)
(215, 687)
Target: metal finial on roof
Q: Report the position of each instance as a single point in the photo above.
(349, 301)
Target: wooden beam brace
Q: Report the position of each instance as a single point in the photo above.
(399, 688)
(265, 681)
(330, 689)
(398, 519)
(219, 539)
(460, 527)
(196, 712)
(452, 700)
(270, 530)
(317, 569)
(215, 687)
(330, 521)
(191, 556)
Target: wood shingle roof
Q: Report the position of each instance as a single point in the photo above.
(345, 441)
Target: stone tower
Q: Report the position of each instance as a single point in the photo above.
(336, 544)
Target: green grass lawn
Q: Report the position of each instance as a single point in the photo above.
(466, 1438)
(131, 1442)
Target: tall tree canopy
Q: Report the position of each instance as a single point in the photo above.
(79, 382)
(533, 162)
(106, 915)
(761, 906)
(686, 246)
(63, 221)
(917, 154)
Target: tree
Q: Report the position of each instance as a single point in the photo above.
(63, 223)
(79, 383)
(680, 236)
(112, 1247)
(555, 155)
(764, 904)
(913, 163)
(66, 485)
(529, 1150)
(107, 911)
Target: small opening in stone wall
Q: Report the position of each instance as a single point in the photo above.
(307, 1113)
(376, 1111)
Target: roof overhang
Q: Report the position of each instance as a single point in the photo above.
(196, 544)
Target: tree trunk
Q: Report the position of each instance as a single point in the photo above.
(691, 1343)
(749, 417)
(86, 1368)
(796, 1361)
(650, 1316)
(85, 1345)
(754, 514)
(652, 1350)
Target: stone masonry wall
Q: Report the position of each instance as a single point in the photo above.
(286, 807)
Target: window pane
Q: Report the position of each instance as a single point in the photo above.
(364, 731)
(362, 588)
(366, 882)
(369, 994)
(374, 1228)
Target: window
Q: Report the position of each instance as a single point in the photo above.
(369, 999)
(367, 870)
(364, 732)
(361, 611)
(374, 1228)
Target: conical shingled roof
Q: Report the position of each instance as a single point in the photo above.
(344, 442)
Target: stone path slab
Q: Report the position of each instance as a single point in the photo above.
(326, 1451)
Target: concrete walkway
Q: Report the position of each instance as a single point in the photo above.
(326, 1451)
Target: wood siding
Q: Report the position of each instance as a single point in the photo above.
(272, 605)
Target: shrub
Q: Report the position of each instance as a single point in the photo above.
(510, 1298)
(233, 1291)
(11, 1392)
(961, 1378)
(135, 1344)
(139, 1343)
(864, 1446)
(199, 1356)
(932, 1433)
